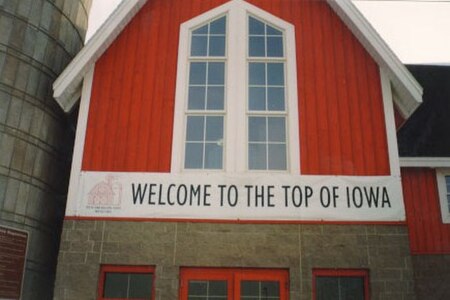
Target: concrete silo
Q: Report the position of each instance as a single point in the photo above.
(38, 38)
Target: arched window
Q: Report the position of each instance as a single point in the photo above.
(236, 98)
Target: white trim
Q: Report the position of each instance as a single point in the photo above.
(408, 89)
(235, 160)
(442, 189)
(80, 139)
(67, 85)
(391, 133)
(425, 162)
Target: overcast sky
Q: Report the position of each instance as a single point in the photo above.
(418, 31)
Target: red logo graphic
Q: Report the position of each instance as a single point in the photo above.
(106, 193)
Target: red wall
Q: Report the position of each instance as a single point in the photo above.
(341, 115)
(428, 235)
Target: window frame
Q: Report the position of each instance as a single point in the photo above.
(234, 276)
(235, 148)
(341, 273)
(123, 269)
(442, 194)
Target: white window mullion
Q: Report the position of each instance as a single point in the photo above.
(236, 125)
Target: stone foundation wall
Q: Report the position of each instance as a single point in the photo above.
(432, 276)
(168, 246)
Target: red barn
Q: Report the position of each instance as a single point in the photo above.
(244, 150)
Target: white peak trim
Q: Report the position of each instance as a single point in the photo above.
(405, 85)
(66, 88)
(427, 162)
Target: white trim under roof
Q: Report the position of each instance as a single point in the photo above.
(68, 84)
(427, 162)
(67, 87)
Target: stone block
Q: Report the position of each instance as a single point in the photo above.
(6, 149)
(12, 190)
(77, 235)
(19, 151)
(73, 258)
(96, 235)
(14, 112)
(6, 25)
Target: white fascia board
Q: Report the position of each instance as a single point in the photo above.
(425, 162)
(405, 85)
(67, 87)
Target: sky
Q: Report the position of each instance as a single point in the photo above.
(418, 31)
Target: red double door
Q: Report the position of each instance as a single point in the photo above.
(233, 284)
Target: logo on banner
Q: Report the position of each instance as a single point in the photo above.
(106, 194)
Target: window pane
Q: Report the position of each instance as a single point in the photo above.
(327, 288)
(217, 46)
(140, 286)
(198, 45)
(215, 98)
(275, 46)
(198, 288)
(260, 289)
(351, 288)
(214, 129)
(277, 129)
(270, 288)
(197, 73)
(275, 99)
(250, 288)
(196, 97)
(257, 74)
(257, 156)
(257, 129)
(116, 285)
(194, 156)
(201, 30)
(273, 31)
(257, 98)
(218, 26)
(275, 74)
(195, 128)
(216, 71)
(213, 156)
(205, 290)
(255, 26)
(218, 288)
(257, 46)
(277, 157)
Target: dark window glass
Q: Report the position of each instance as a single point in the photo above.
(207, 290)
(260, 290)
(339, 288)
(128, 285)
(209, 40)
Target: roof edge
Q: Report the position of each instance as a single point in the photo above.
(428, 162)
(66, 88)
(408, 89)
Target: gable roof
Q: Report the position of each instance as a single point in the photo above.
(67, 87)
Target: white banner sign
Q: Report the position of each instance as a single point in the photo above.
(238, 197)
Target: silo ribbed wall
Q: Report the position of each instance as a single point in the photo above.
(38, 38)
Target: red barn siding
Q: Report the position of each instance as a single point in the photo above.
(342, 126)
(427, 233)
